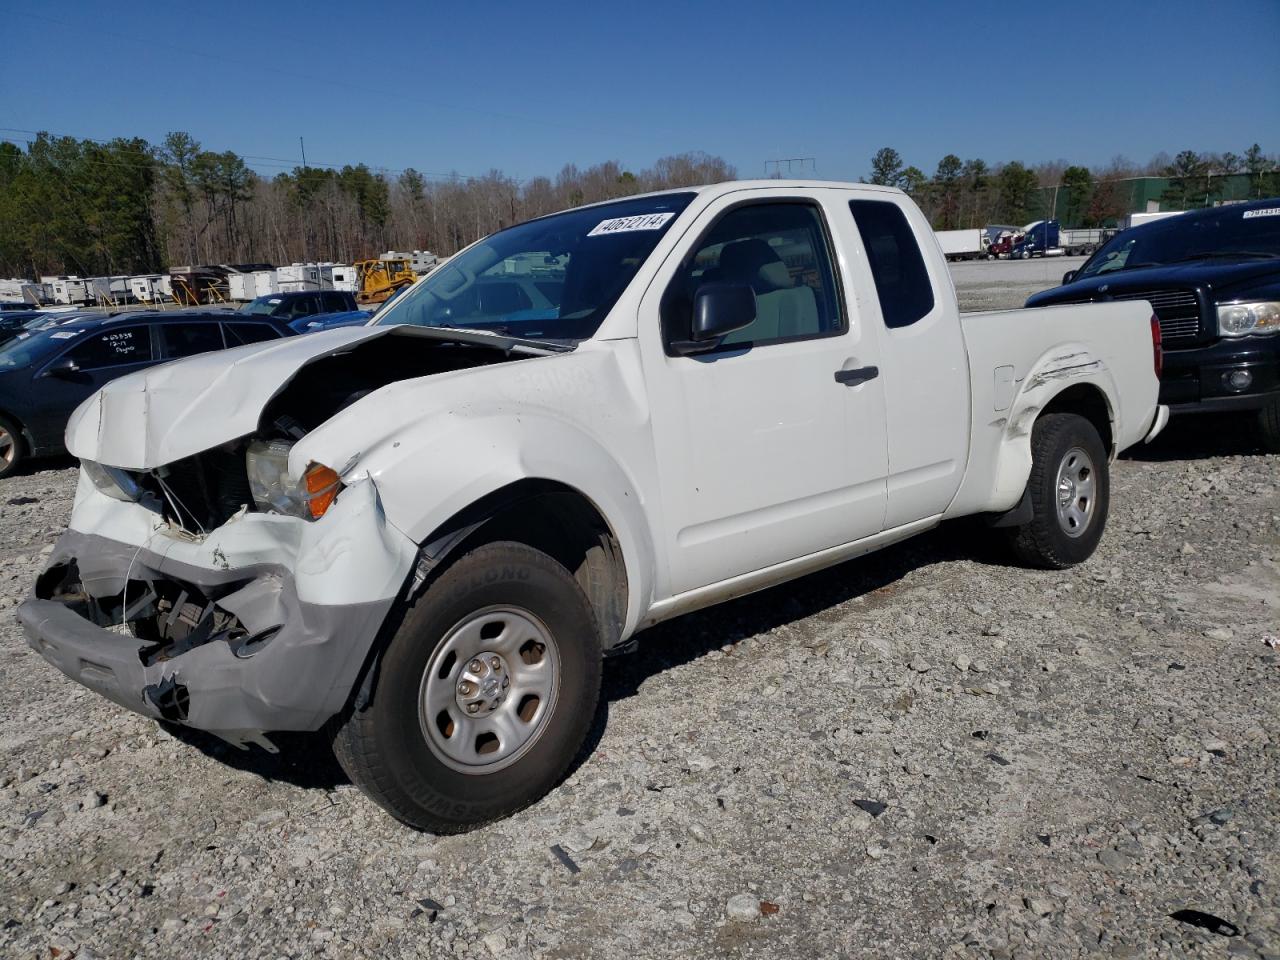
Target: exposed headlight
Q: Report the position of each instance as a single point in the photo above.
(273, 490)
(112, 481)
(1247, 319)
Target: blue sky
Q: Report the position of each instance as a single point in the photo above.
(526, 87)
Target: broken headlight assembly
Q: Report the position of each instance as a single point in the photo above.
(112, 481)
(274, 491)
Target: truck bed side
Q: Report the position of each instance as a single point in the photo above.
(1096, 351)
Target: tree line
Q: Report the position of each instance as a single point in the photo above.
(969, 193)
(70, 206)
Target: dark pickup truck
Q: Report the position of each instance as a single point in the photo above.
(1213, 279)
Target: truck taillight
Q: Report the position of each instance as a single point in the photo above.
(1157, 346)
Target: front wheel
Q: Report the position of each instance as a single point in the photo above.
(483, 697)
(1070, 490)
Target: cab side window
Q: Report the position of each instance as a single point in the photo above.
(902, 282)
(114, 347)
(779, 250)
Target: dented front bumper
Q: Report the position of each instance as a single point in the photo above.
(282, 612)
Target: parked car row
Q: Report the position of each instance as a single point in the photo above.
(50, 361)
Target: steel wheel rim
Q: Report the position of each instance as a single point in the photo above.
(1076, 492)
(489, 689)
(8, 447)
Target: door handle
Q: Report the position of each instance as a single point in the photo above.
(851, 378)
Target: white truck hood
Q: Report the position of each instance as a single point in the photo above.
(168, 412)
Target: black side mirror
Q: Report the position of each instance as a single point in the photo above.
(718, 310)
(64, 368)
(1068, 277)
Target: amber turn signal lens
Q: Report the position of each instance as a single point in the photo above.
(323, 485)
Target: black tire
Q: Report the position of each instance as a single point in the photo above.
(13, 448)
(1050, 541)
(1269, 426)
(384, 747)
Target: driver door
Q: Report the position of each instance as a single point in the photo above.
(768, 449)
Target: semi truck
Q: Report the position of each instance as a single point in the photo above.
(1046, 238)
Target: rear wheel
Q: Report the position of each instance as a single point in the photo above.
(12, 448)
(483, 697)
(1269, 426)
(1070, 490)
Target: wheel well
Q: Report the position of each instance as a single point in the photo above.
(1089, 402)
(562, 523)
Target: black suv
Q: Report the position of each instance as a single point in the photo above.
(45, 374)
(1213, 279)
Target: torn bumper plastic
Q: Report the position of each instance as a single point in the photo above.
(239, 647)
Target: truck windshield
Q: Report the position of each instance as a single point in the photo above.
(1228, 232)
(555, 278)
(263, 306)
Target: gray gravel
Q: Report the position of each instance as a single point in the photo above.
(924, 753)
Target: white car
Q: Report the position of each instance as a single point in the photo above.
(423, 534)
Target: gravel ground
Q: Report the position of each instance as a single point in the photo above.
(924, 753)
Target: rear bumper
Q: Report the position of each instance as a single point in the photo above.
(274, 661)
(1198, 380)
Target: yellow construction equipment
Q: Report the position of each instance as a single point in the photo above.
(377, 280)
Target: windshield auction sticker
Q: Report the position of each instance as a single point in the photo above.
(645, 221)
(1266, 212)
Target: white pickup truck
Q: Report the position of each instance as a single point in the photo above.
(423, 534)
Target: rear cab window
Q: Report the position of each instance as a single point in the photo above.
(897, 266)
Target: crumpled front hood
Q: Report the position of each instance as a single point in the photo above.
(165, 413)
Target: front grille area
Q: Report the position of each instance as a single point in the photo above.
(201, 492)
(1177, 310)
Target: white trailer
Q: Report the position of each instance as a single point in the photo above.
(1079, 242)
(297, 277)
(339, 276)
(68, 290)
(146, 288)
(24, 291)
(265, 283)
(113, 290)
(963, 244)
(1138, 219)
(242, 286)
(423, 261)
